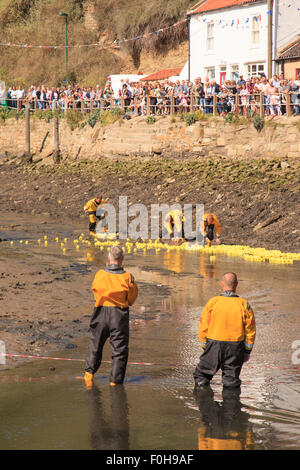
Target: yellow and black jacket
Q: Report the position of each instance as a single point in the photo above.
(174, 219)
(91, 208)
(114, 287)
(227, 317)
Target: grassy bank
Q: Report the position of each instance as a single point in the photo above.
(37, 22)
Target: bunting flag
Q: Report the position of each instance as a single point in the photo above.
(115, 43)
(234, 23)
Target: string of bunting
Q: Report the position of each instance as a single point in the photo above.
(115, 43)
(236, 22)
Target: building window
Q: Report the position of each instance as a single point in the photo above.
(210, 73)
(254, 70)
(210, 37)
(235, 72)
(256, 22)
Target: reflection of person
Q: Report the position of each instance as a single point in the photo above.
(174, 223)
(227, 334)
(225, 425)
(208, 269)
(109, 432)
(114, 291)
(209, 227)
(90, 208)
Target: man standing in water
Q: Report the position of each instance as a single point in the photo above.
(114, 291)
(227, 334)
(90, 208)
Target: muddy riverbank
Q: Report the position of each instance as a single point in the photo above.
(257, 201)
(45, 295)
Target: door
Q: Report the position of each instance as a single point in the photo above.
(222, 77)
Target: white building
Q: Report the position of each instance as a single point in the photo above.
(229, 38)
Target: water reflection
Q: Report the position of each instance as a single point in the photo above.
(109, 430)
(224, 425)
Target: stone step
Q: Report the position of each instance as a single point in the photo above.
(132, 139)
(117, 148)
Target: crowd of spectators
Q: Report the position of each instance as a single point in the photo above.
(183, 95)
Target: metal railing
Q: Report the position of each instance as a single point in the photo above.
(216, 104)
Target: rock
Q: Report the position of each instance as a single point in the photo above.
(284, 165)
(267, 222)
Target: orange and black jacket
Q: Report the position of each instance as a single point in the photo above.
(227, 317)
(114, 287)
(216, 223)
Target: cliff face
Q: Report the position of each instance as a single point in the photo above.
(37, 23)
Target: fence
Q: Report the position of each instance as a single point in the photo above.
(279, 103)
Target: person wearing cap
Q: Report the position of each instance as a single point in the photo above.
(226, 333)
(115, 290)
(90, 208)
(209, 227)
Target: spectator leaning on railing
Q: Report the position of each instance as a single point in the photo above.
(166, 97)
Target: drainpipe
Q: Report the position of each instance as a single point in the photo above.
(270, 37)
(189, 39)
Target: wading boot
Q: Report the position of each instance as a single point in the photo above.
(88, 379)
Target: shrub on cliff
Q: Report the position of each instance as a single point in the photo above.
(258, 123)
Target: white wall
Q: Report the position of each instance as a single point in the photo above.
(232, 44)
(116, 81)
(287, 22)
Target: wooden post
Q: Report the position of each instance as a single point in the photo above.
(148, 105)
(122, 103)
(192, 103)
(288, 105)
(261, 105)
(172, 109)
(35, 105)
(91, 105)
(135, 106)
(27, 120)
(56, 153)
(101, 105)
(18, 104)
(82, 106)
(237, 104)
(215, 109)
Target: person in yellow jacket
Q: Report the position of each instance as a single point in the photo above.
(90, 208)
(227, 333)
(209, 226)
(114, 291)
(174, 223)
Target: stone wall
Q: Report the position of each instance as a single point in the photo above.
(280, 138)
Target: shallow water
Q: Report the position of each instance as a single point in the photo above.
(156, 409)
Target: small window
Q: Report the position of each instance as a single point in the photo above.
(235, 72)
(210, 37)
(255, 70)
(256, 22)
(210, 73)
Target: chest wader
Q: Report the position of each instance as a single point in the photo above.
(225, 355)
(210, 232)
(92, 221)
(112, 323)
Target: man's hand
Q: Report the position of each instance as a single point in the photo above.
(218, 241)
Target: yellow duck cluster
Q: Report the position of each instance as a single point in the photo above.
(105, 241)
